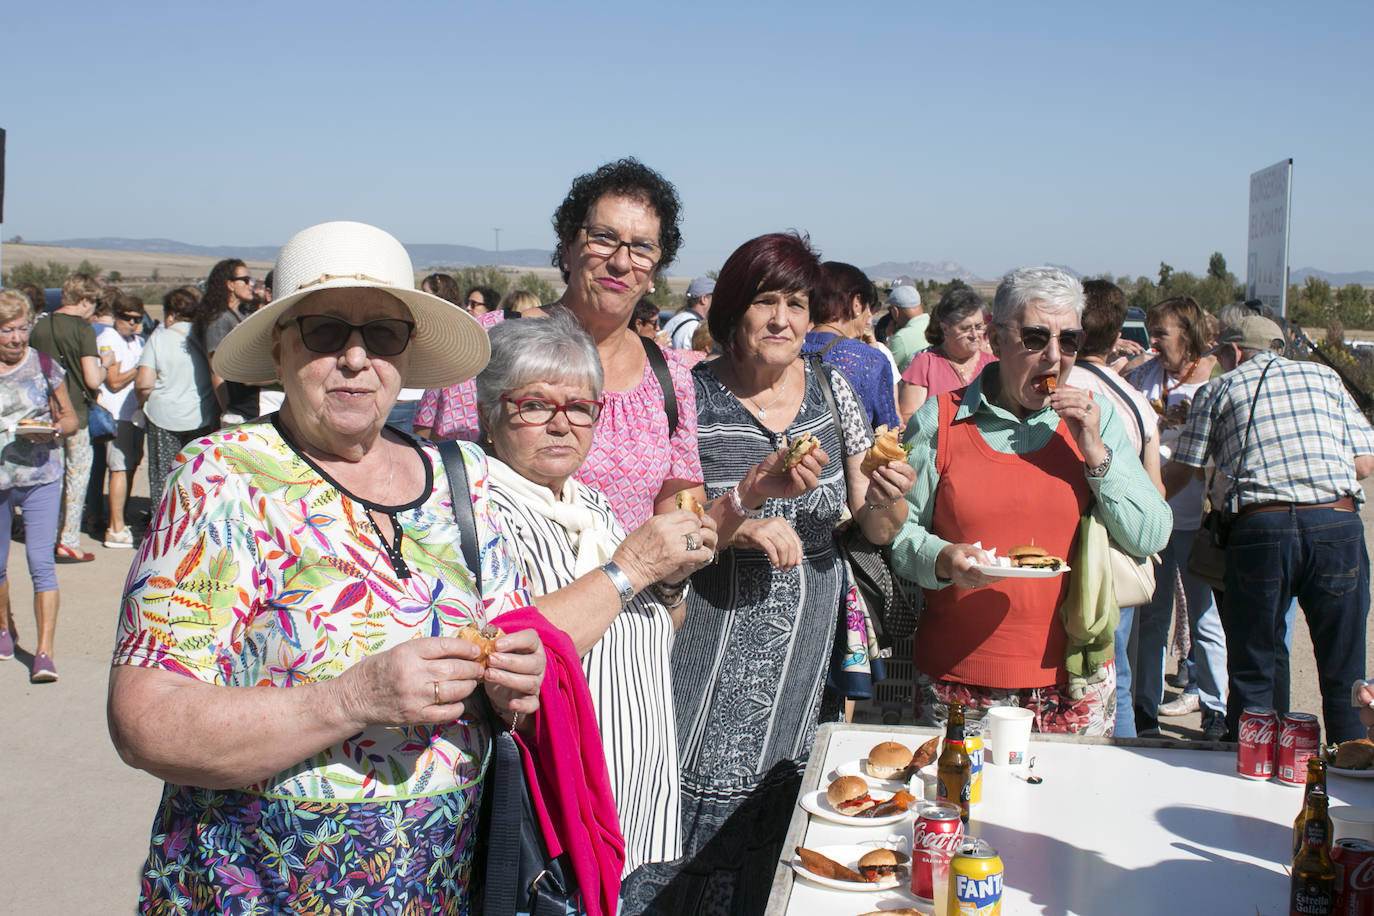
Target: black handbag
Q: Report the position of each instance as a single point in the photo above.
(891, 607)
(512, 869)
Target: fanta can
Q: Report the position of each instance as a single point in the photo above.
(975, 880)
(973, 745)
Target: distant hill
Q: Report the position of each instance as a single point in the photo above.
(942, 272)
(422, 255)
(1363, 277)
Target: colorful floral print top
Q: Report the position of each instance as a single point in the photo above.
(258, 570)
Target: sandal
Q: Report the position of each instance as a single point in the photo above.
(65, 554)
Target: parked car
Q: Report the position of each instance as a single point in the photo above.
(1134, 327)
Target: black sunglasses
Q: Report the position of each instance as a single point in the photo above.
(1035, 338)
(131, 316)
(327, 334)
(243, 280)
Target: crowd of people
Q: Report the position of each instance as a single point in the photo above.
(657, 511)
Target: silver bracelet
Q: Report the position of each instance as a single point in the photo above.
(622, 583)
(737, 505)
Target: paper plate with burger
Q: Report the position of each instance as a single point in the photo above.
(853, 868)
(1025, 561)
(890, 764)
(850, 800)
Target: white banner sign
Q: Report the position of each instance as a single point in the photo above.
(1266, 253)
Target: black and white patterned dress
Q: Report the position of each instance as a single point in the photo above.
(749, 664)
(627, 671)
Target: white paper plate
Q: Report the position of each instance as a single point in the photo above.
(860, 768)
(847, 856)
(1020, 572)
(1352, 774)
(816, 803)
(29, 429)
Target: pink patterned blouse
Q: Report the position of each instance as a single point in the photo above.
(631, 454)
(451, 413)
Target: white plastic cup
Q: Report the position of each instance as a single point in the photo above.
(1007, 730)
(1348, 821)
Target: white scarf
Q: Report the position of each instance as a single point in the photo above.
(594, 542)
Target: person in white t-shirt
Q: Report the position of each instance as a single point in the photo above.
(124, 451)
(680, 328)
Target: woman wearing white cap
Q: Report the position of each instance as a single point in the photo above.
(316, 550)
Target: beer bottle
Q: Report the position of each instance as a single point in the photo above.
(1316, 777)
(1312, 891)
(954, 768)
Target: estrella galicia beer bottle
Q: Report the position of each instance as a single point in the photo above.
(954, 769)
(1312, 891)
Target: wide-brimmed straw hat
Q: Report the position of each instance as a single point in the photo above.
(448, 346)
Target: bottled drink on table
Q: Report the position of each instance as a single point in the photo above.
(1316, 778)
(954, 769)
(1312, 890)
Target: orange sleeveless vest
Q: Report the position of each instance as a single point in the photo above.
(1007, 635)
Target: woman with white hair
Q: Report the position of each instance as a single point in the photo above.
(618, 595)
(1016, 459)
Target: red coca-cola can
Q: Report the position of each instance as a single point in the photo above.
(1299, 739)
(1259, 736)
(935, 839)
(1354, 860)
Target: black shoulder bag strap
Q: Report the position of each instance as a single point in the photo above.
(1107, 379)
(824, 381)
(659, 363)
(507, 808)
(827, 348)
(1232, 495)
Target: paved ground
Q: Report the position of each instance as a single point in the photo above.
(75, 818)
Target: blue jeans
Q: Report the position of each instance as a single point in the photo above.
(1204, 624)
(1121, 644)
(1319, 557)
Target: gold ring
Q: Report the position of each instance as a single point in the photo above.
(436, 692)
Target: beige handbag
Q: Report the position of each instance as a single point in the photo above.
(1133, 578)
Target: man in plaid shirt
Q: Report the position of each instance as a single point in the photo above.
(1296, 494)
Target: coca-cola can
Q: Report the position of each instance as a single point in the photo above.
(1299, 739)
(1354, 860)
(1259, 737)
(935, 839)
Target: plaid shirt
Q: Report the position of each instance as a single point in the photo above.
(1306, 434)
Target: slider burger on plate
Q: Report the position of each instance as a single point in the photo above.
(888, 760)
(1030, 556)
(849, 796)
(887, 446)
(800, 447)
(881, 864)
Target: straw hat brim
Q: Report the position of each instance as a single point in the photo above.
(448, 346)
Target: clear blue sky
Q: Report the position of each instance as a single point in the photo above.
(1103, 136)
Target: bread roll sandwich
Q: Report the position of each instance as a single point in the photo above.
(881, 864)
(849, 795)
(1353, 755)
(887, 446)
(1028, 555)
(888, 760)
(685, 500)
(800, 447)
(484, 638)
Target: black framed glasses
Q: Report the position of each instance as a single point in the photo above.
(381, 336)
(540, 411)
(1036, 338)
(604, 243)
(475, 303)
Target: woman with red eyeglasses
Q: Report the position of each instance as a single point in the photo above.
(1017, 459)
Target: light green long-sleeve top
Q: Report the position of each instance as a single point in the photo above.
(1137, 517)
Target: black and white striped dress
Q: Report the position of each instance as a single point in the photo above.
(627, 671)
(750, 662)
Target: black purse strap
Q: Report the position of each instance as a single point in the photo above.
(824, 381)
(1245, 440)
(659, 363)
(461, 495)
(1106, 378)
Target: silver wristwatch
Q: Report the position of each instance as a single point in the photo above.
(1101, 469)
(621, 583)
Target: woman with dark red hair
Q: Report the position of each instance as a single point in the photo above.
(749, 664)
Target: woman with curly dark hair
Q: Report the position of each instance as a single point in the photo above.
(617, 230)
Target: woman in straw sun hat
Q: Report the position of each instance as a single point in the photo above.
(286, 654)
